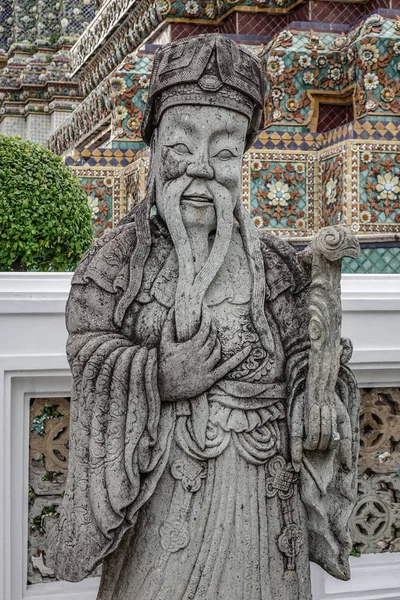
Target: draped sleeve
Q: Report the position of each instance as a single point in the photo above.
(120, 433)
(328, 485)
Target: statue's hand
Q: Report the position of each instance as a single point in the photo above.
(320, 426)
(188, 369)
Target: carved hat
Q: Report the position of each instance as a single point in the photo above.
(210, 70)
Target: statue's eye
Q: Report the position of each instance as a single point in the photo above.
(224, 154)
(181, 149)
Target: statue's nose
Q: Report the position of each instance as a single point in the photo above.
(201, 168)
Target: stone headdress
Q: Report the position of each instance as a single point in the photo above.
(208, 70)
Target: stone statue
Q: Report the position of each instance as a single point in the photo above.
(214, 434)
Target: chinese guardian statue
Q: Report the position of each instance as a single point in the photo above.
(214, 434)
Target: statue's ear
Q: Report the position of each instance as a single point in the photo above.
(154, 139)
(151, 182)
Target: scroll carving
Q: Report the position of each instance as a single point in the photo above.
(325, 253)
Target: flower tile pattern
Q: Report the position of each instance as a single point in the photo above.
(379, 181)
(102, 177)
(364, 61)
(129, 89)
(290, 186)
(279, 191)
(103, 188)
(331, 178)
(349, 158)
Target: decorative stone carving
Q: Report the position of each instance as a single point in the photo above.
(379, 431)
(48, 463)
(210, 457)
(375, 521)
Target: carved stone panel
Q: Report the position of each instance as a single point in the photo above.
(380, 431)
(48, 467)
(375, 522)
(48, 464)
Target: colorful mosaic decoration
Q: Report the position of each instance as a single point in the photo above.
(99, 187)
(123, 25)
(96, 108)
(103, 188)
(279, 191)
(6, 19)
(303, 67)
(379, 182)
(102, 175)
(357, 184)
(35, 79)
(292, 193)
(299, 175)
(31, 20)
(128, 88)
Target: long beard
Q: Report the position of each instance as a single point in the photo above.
(191, 288)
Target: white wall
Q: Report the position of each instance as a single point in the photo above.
(33, 362)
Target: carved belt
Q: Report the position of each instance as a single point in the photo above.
(246, 395)
(241, 395)
(245, 413)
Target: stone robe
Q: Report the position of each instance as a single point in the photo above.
(171, 520)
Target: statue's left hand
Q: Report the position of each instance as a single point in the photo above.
(320, 427)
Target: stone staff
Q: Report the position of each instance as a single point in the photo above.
(320, 412)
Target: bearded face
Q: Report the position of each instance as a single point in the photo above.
(197, 164)
(199, 151)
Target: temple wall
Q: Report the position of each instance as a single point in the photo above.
(330, 147)
(35, 83)
(330, 143)
(13, 126)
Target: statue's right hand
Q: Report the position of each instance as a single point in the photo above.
(187, 369)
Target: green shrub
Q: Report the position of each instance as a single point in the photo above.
(45, 220)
